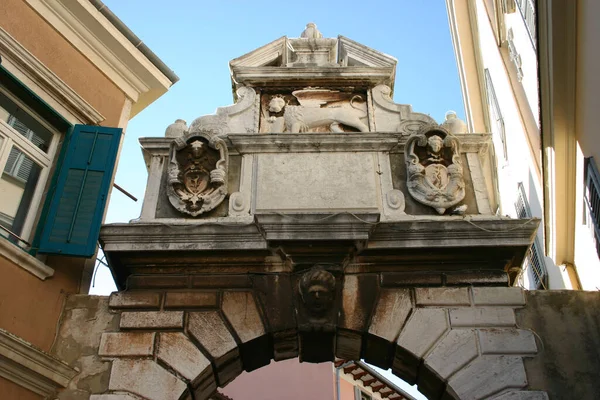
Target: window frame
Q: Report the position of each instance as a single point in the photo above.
(535, 253)
(46, 160)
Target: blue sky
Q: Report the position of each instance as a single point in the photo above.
(198, 38)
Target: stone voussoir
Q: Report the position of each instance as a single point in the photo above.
(442, 296)
(482, 317)
(522, 395)
(498, 296)
(506, 341)
(152, 320)
(135, 300)
(126, 344)
(145, 378)
(192, 299)
(176, 350)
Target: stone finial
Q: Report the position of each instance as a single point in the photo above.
(176, 129)
(311, 32)
(453, 124)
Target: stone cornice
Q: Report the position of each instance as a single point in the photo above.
(459, 231)
(314, 76)
(312, 142)
(31, 368)
(36, 71)
(108, 49)
(315, 142)
(24, 260)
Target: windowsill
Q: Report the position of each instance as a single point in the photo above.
(31, 368)
(24, 260)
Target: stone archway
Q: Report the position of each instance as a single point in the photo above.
(453, 342)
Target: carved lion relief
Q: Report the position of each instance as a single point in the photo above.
(197, 173)
(434, 170)
(314, 110)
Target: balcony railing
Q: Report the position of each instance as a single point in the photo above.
(527, 9)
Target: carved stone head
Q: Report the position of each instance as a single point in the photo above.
(276, 104)
(317, 290)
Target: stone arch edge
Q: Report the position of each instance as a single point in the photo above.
(450, 341)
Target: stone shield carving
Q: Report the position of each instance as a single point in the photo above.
(434, 170)
(197, 173)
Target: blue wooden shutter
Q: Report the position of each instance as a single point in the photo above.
(72, 224)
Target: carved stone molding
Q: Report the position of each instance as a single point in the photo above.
(197, 173)
(392, 117)
(434, 170)
(314, 110)
(242, 117)
(31, 368)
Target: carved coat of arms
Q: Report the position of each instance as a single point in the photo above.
(434, 170)
(197, 173)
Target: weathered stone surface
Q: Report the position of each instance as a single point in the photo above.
(391, 311)
(488, 375)
(157, 281)
(145, 378)
(453, 352)
(359, 294)
(195, 299)
(423, 329)
(84, 320)
(522, 395)
(568, 323)
(442, 296)
(134, 300)
(121, 396)
(482, 316)
(477, 277)
(506, 341)
(152, 320)
(316, 181)
(348, 345)
(119, 344)
(242, 313)
(411, 279)
(221, 281)
(209, 329)
(177, 351)
(492, 296)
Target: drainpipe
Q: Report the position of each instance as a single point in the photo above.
(337, 378)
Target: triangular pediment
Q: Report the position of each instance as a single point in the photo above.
(271, 54)
(354, 54)
(313, 61)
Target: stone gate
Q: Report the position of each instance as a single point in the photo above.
(314, 218)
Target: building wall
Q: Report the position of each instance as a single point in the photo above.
(62, 58)
(12, 391)
(29, 307)
(586, 128)
(288, 379)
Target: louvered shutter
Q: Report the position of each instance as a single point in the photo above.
(73, 220)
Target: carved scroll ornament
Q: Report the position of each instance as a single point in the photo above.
(197, 173)
(434, 170)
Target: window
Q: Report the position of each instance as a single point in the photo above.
(534, 263)
(591, 198)
(527, 9)
(27, 144)
(360, 395)
(496, 118)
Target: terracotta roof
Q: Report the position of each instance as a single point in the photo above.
(373, 379)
